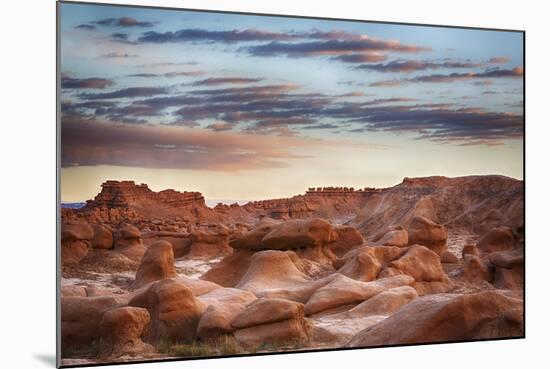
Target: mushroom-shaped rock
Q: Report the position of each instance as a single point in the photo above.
(174, 311)
(75, 242)
(206, 244)
(447, 317)
(348, 237)
(127, 241)
(267, 310)
(157, 264)
(423, 231)
(252, 240)
(120, 332)
(497, 239)
(271, 269)
(299, 233)
(103, 237)
(229, 271)
(362, 266)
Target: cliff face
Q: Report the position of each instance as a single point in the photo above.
(126, 194)
(474, 203)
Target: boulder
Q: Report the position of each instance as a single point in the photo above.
(385, 303)
(81, 316)
(271, 269)
(423, 231)
(392, 236)
(476, 270)
(157, 264)
(348, 238)
(174, 311)
(120, 332)
(449, 258)
(223, 305)
(362, 266)
(103, 237)
(509, 269)
(344, 291)
(267, 310)
(252, 240)
(127, 241)
(75, 242)
(447, 317)
(497, 239)
(206, 245)
(299, 233)
(230, 270)
(422, 264)
(283, 334)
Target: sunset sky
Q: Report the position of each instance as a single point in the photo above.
(244, 107)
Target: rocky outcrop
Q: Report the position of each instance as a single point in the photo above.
(223, 305)
(75, 241)
(120, 332)
(423, 231)
(447, 317)
(497, 239)
(343, 291)
(392, 236)
(207, 244)
(348, 238)
(127, 241)
(174, 311)
(271, 321)
(509, 269)
(103, 237)
(81, 317)
(157, 264)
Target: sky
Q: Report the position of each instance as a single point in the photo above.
(243, 107)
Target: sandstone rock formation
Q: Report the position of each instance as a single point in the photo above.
(348, 237)
(103, 237)
(174, 311)
(75, 242)
(423, 231)
(157, 264)
(447, 317)
(120, 332)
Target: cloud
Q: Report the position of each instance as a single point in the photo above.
(499, 60)
(126, 92)
(93, 82)
(490, 73)
(120, 36)
(408, 66)
(220, 126)
(118, 55)
(85, 26)
(387, 83)
(88, 143)
(360, 58)
(440, 124)
(191, 73)
(331, 47)
(122, 22)
(232, 36)
(226, 80)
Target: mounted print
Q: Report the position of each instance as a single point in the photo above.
(244, 184)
